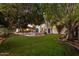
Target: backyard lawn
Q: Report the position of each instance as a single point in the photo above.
(47, 45)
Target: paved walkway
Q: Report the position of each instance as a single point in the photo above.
(29, 34)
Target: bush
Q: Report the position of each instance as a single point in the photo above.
(4, 32)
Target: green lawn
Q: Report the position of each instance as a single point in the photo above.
(37, 46)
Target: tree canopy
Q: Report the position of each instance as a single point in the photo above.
(22, 14)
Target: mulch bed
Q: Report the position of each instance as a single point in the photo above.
(2, 40)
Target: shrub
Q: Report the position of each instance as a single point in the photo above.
(4, 32)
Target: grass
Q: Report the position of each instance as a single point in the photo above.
(47, 45)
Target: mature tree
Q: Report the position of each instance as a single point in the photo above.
(53, 14)
(21, 14)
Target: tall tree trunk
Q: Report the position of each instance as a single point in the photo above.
(78, 32)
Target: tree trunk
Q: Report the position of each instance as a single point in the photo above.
(78, 32)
